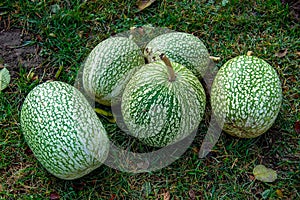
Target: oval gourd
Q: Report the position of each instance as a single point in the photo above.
(160, 110)
(179, 47)
(109, 67)
(63, 131)
(246, 94)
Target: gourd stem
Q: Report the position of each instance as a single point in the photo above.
(171, 72)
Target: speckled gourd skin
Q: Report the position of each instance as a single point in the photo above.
(182, 48)
(246, 93)
(63, 131)
(159, 112)
(109, 67)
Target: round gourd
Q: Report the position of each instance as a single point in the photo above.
(246, 94)
(63, 131)
(183, 48)
(161, 107)
(109, 67)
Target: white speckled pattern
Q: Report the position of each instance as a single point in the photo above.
(246, 93)
(109, 67)
(63, 131)
(160, 112)
(182, 48)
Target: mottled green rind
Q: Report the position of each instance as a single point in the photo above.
(182, 48)
(63, 131)
(160, 112)
(247, 94)
(109, 67)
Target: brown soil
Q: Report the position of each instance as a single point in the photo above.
(15, 54)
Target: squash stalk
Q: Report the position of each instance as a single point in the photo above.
(171, 72)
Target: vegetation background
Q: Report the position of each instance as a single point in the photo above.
(49, 40)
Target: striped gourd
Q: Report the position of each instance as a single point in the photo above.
(63, 131)
(247, 95)
(182, 48)
(108, 68)
(160, 110)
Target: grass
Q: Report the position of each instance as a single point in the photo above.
(67, 35)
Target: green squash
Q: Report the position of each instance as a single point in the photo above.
(63, 131)
(246, 94)
(109, 67)
(182, 48)
(163, 103)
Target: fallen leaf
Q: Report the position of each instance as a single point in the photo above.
(281, 53)
(192, 194)
(167, 195)
(249, 53)
(113, 197)
(298, 53)
(264, 174)
(279, 193)
(54, 196)
(39, 38)
(142, 4)
(251, 178)
(297, 127)
(293, 79)
(195, 149)
(4, 78)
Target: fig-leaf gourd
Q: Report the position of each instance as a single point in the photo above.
(246, 95)
(63, 131)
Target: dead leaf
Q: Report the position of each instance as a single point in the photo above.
(195, 149)
(192, 194)
(298, 53)
(297, 127)
(251, 178)
(54, 196)
(142, 4)
(281, 53)
(279, 193)
(167, 195)
(39, 38)
(249, 53)
(264, 174)
(113, 197)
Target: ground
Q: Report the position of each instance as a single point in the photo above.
(36, 41)
(13, 54)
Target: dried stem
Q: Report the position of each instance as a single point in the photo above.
(172, 76)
